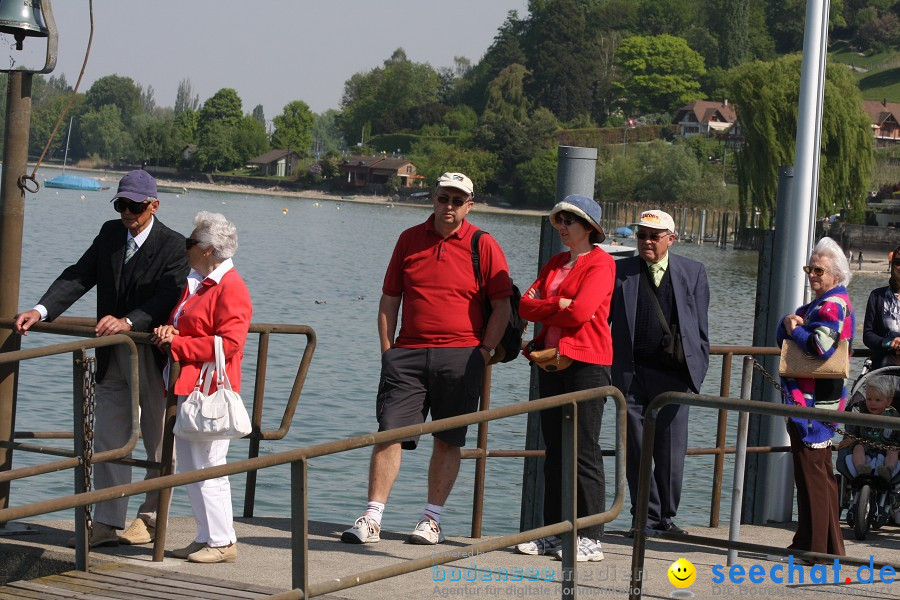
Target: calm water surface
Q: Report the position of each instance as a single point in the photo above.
(321, 263)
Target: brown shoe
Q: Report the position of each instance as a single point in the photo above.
(884, 473)
(101, 535)
(138, 533)
(216, 554)
(188, 550)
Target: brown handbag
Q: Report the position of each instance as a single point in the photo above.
(797, 364)
(549, 359)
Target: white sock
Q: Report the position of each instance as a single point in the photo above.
(433, 512)
(375, 510)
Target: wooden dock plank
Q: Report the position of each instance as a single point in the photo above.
(49, 592)
(145, 591)
(247, 590)
(159, 580)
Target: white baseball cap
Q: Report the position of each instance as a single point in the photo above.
(458, 181)
(656, 219)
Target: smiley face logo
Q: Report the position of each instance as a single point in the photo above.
(682, 573)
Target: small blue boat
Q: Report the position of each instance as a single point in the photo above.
(73, 182)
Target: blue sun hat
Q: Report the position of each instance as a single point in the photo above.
(582, 206)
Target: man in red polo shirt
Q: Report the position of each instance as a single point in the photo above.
(437, 361)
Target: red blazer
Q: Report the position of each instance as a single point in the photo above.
(222, 309)
(585, 330)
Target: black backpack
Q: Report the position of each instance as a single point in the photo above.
(511, 343)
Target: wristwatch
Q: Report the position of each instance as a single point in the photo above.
(130, 324)
(490, 351)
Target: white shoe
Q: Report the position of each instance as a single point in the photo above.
(364, 531)
(539, 547)
(426, 532)
(588, 551)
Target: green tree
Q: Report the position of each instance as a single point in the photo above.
(326, 134)
(185, 98)
(659, 73)
(43, 119)
(433, 157)
(216, 152)
(103, 133)
(294, 128)
(534, 181)
(505, 50)
(121, 92)
(736, 33)
(222, 108)
(768, 94)
(249, 140)
(186, 128)
(155, 138)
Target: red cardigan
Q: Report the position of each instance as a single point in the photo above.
(222, 309)
(585, 332)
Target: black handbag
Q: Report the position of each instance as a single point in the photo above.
(672, 355)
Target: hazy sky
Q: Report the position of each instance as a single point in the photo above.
(270, 51)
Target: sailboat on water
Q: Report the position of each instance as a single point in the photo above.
(73, 182)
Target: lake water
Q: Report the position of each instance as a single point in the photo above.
(321, 263)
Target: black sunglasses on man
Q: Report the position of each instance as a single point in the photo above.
(122, 204)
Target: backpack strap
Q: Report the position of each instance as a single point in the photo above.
(476, 257)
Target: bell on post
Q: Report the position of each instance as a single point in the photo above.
(21, 19)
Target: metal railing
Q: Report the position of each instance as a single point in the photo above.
(745, 406)
(299, 458)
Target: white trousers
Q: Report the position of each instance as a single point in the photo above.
(210, 499)
(112, 428)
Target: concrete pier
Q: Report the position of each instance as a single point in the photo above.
(264, 560)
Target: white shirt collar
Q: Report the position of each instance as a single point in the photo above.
(140, 238)
(194, 278)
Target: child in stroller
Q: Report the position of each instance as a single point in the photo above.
(871, 474)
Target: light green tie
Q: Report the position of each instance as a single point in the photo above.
(657, 271)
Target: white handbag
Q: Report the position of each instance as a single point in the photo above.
(204, 417)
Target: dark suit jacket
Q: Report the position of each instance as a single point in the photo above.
(691, 301)
(159, 276)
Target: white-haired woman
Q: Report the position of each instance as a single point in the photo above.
(817, 328)
(215, 302)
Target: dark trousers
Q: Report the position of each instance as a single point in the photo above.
(818, 515)
(590, 476)
(670, 442)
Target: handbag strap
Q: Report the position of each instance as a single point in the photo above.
(220, 364)
(659, 313)
(204, 380)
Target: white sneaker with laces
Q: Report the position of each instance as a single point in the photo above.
(588, 551)
(539, 547)
(364, 531)
(426, 532)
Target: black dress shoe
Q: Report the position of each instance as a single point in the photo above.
(666, 528)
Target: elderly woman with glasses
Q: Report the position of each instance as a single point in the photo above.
(817, 328)
(571, 300)
(215, 302)
(881, 327)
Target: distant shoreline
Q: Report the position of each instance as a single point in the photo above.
(112, 176)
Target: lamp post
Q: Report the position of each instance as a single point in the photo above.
(21, 20)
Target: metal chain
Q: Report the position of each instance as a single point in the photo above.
(89, 389)
(831, 426)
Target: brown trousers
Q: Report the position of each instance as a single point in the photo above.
(818, 513)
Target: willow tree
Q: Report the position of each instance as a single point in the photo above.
(766, 97)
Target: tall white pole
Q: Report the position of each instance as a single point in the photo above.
(798, 228)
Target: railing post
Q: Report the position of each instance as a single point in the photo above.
(256, 420)
(167, 463)
(740, 459)
(719, 466)
(481, 461)
(569, 503)
(81, 532)
(299, 526)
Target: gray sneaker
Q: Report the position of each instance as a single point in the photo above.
(539, 547)
(364, 531)
(426, 532)
(588, 551)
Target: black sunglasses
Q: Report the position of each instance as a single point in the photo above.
(122, 204)
(457, 202)
(561, 220)
(643, 235)
(190, 243)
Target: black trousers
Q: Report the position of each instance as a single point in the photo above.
(669, 443)
(590, 476)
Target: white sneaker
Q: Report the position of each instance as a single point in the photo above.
(426, 532)
(364, 531)
(588, 551)
(539, 547)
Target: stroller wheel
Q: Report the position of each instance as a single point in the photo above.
(863, 509)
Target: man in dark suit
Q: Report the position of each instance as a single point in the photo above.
(139, 267)
(659, 299)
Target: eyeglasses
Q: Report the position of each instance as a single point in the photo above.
(561, 220)
(817, 271)
(122, 204)
(653, 237)
(190, 243)
(457, 201)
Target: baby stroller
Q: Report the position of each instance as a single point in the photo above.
(869, 500)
